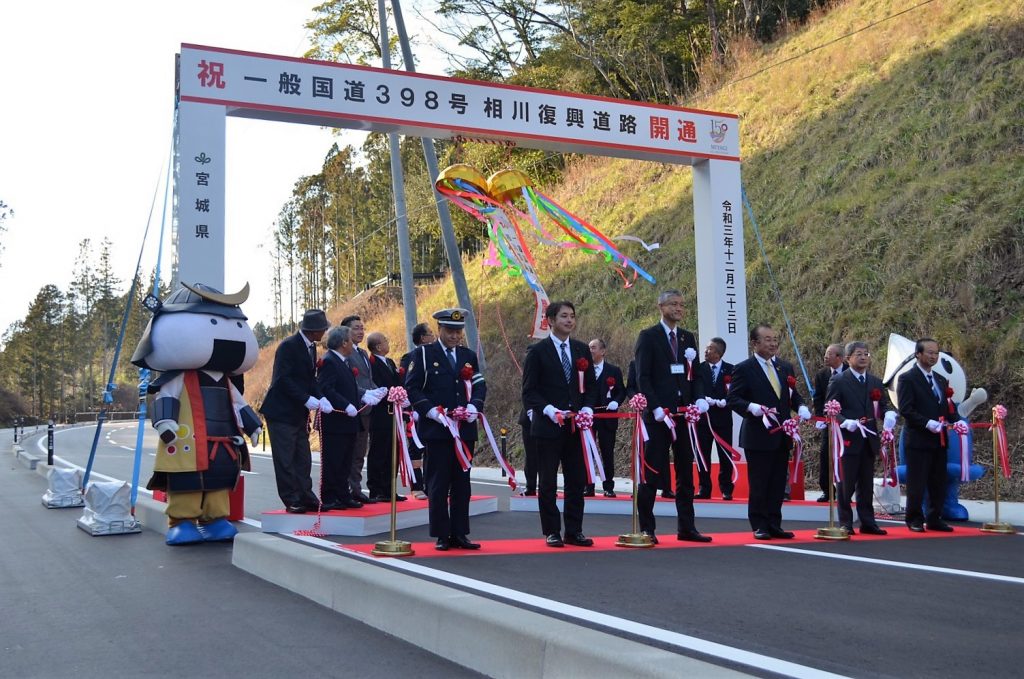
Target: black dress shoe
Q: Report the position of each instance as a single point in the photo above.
(916, 527)
(609, 493)
(350, 504)
(781, 534)
(362, 497)
(873, 530)
(578, 539)
(668, 494)
(295, 509)
(727, 496)
(331, 506)
(462, 542)
(554, 540)
(702, 496)
(441, 545)
(786, 497)
(940, 526)
(822, 498)
(400, 498)
(588, 492)
(530, 492)
(651, 535)
(693, 536)
(762, 534)
(849, 530)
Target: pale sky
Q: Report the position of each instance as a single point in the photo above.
(85, 130)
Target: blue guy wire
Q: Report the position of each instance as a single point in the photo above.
(778, 293)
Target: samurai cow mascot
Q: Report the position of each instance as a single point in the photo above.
(199, 339)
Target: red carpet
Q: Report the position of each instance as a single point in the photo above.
(668, 541)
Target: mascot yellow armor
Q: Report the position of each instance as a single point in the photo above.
(200, 342)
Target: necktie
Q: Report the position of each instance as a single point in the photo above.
(769, 369)
(714, 374)
(861, 378)
(451, 357)
(674, 344)
(566, 366)
(935, 388)
(312, 354)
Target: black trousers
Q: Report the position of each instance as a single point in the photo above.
(565, 450)
(656, 454)
(293, 462)
(355, 475)
(859, 476)
(766, 475)
(531, 463)
(926, 468)
(605, 436)
(448, 489)
(705, 438)
(336, 461)
(378, 463)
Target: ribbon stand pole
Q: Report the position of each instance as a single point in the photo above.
(997, 526)
(636, 539)
(394, 547)
(831, 532)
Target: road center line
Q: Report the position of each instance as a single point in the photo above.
(896, 564)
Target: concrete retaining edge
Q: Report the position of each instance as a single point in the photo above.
(488, 636)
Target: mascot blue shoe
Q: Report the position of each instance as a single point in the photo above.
(220, 530)
(185, 533)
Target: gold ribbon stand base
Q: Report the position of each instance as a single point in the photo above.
(392, 548)
(831, 533)
(637, 540)
(999, 527)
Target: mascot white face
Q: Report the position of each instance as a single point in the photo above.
(900, 358)
(199, 331)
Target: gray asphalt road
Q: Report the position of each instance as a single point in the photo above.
(76, 605)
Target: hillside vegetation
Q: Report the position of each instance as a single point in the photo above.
(886, 171)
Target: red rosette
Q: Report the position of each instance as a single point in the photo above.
(582, 364)
(876, 395)
(832, 408)
(1000, 412)
(610, 381)
(584, 420)
(466, 372)
(638, 402)
(460, 414)
(727, 379)
(949, 392)
(791, 426)
(397, 395)
(961, 427)
(355, 371)
(692, 413)
(791, 382)
(401, 371)
(319, 363)
(887, 437)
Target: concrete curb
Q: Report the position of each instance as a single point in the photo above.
(488, 636)
(26, 459)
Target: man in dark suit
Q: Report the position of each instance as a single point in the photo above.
(759, 392)
(293, 392)
(667, 375)
(360, 363)
(558, 381)
(715, 373)
(921, 394)
(441, 375)
(339, 429)
(421, 334)
(853, 390)
(382, 425)
(611, 391)
(835, 364)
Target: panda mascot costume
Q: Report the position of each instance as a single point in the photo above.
(198, 339)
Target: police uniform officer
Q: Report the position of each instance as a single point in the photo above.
(436, 385)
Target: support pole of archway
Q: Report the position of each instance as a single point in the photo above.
(401, 213)
(451, 248)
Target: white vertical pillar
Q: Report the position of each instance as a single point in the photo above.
(721, 277)
(199, 210)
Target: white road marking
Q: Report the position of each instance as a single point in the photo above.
(896, 564)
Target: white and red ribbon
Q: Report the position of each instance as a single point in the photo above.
(889, 477)
(452, 424)
(769, 417)
(692, 415)
(397, 396)
(999, 432)
(502, 462)
(836, 447)
(961, 429)
(726, 447)
(579, 376)
(791, 428)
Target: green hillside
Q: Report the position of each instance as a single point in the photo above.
(886, 170)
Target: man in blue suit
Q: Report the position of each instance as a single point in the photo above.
(439, 377)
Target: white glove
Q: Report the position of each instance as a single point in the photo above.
(552, 413)
(473, 412)
(889, 421)
(819, 425)
(415, 416)
(702, 405)
(168, 430)
(381, 392)
(437, 415)
(370, 398)
(351, 411)
(849, 425)
(325, 406)
(613, 406)
(755, 409)
(659, 414)
(933, 426)
(255, 437)
(690, 353)
(722, 403)
(586, 410)
(312, 403)
(803, 413)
